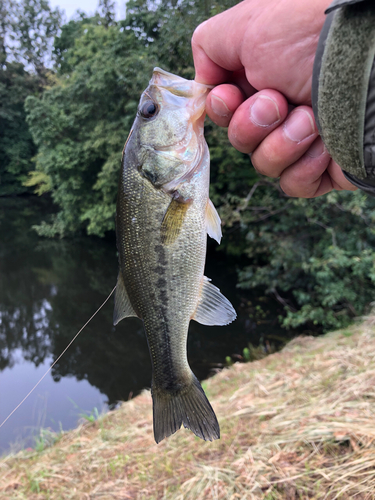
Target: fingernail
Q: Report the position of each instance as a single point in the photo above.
(264, 111)
(299, 126)
(219, 107)
(316, 149)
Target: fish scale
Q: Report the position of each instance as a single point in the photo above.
(162, 220)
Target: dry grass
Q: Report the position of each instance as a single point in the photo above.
(298, 424)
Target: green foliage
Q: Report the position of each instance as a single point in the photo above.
(27, 28)
(65, 41)
(16, 145)
(232, 177)
(107, 12)
(315, 255)
(228, 360)
(44, 440)
(90, 417)
(81, 123)
(246, 354)
(41, 180)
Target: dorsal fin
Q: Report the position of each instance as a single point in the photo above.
(123, 308)
(213, 308)
(213, 222)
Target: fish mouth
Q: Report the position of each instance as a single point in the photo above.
(177, 84)
(195, 93)
(189, 98)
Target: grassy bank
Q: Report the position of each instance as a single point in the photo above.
(297, 424)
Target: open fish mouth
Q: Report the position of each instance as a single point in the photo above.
(176, 84)
(195, 94)
(188, 99)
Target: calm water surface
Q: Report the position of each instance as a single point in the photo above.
(48, 290)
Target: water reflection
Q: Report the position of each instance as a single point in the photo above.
(49, 289)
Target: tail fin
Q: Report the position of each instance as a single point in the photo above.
(189, 407)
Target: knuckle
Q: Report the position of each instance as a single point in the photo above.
(239, 145)
(270, 155)
(263, 165)
(286, 189)
(257, 167)
(199, 33)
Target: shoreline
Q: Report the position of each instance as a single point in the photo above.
(296, 424)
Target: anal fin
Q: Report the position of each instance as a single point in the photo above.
(213, 308)
(213, 222)
(123, 308)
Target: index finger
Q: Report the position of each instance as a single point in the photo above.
(206, 70)
(216, 48)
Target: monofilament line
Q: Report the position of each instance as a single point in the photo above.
(56, 360)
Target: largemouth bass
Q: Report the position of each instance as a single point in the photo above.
(162, 220)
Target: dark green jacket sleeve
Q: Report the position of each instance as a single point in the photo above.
(343, 89)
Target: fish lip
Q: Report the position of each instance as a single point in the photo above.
(174, 77)
(190, 89)
(167, 73)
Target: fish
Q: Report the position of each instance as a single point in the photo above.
(163, 216)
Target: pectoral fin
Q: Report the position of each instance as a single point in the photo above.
(173, 220)
(123, 308)
(213, 222)
(213, 308)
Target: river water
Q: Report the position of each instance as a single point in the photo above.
(48, 290)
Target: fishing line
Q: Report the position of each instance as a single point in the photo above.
(56, 360)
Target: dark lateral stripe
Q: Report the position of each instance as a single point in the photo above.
(163, 363)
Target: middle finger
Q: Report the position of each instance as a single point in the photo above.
(286, 144)
(256, 118)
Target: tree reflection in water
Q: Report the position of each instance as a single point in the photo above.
(48, 291)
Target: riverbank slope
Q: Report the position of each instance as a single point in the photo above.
(297, 424)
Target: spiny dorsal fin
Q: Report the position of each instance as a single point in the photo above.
(123, 308)
(213, 222)
(172, 222)
(213, 308)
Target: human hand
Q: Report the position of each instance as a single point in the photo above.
(260, 54)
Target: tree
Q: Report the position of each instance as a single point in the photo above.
(16, 145)
(6, 7)
(80, 126)
(107, 12)
(34, 27)
(316, 256)
(27, 29)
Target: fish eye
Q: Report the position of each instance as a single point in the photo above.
(148, 109)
